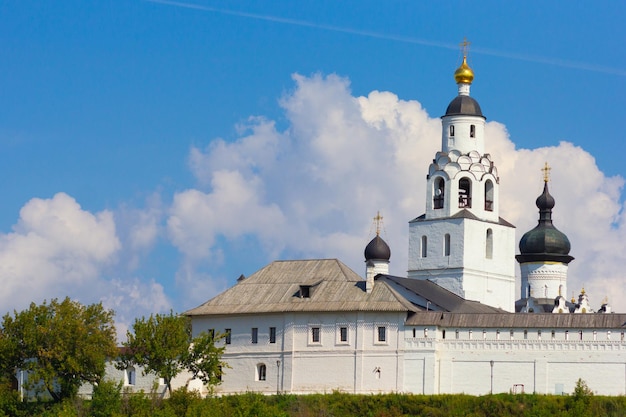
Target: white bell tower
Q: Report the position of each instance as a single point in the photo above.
(461, 243)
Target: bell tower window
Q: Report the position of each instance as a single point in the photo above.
(472, 131)
(439, 193)
(488, 195)
(465, 193)
(451, 130)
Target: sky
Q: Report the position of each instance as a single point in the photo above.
(151, 152)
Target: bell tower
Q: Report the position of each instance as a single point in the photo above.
(461, 242)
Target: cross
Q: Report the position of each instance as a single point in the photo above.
(546, 172)
(378, 219)
(465, 46)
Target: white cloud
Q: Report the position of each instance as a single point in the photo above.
(56, 247)
(311, 190)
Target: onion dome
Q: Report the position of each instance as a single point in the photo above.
(545, 242)
(464, 73)
(377, 249)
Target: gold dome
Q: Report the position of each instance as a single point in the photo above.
(464, 73)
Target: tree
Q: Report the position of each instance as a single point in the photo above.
(162, 345)
(61, 345)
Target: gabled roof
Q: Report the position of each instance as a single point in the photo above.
(439, 296)
(276, 289)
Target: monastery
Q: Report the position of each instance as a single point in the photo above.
(452, 325)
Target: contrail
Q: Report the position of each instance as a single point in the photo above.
(481, 51)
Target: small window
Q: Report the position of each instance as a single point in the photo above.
(608, 335)
(261, 372)
(484, 334)
(488, 195)
(272, 334)
(382, 334)
(456, 334)
(489, 244)
(497, 334)
(305, 291)
(414, 332)
(426, 332)
(539, 334)
(512, 334)
(452, 130)
(446, 245)
(343, 334)
(472, 131)
(469, 335)
(212, 333)
(255, 335)
(621, 337)
(595, 335)
(315, 334)
(580, 335)
(525, 334)
(443, 334)
(424, 246)
(130, 375)
(566, 334)
(553, 335)
(227, 336)
(220, 372)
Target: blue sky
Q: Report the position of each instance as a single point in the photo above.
(150, 152)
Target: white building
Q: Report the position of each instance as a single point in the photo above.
(451, 326)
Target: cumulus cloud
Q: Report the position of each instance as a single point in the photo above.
(55, 248)
(311, 190)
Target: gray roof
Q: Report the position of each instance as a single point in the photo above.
(464, 105)
(439, 296)
(276, 289)
(462, 214)
(518, 320)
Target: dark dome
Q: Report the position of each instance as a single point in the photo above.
(464, 105)
(545, 242)
(377, 249)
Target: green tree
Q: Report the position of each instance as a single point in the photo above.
(162, 345)
(61, 345)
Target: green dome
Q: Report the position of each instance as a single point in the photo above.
(545, 242)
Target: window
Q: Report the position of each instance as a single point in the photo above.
(489, 244)
(525, 334)
(130, 375)
(608, 335)
(488, 195)
(414, 332)
(382, 334)
(219, 372)
(227, 336)
(315, 335)
(443, 334)
(426, 332)
(595, 335)
(566, 334)
(343, 334)
(484, 334)
(212, 333)
(470, 335)
(497, 334)
(272, 334)
(452, 130)
(424, 246)
(512, 334)
(553, 335)
(261, 372)
(580, 335)
(472, 131)
(539, 334)
(465, 193)
(439, 193)
(456, 334)
(446, 245)
(305, 291)
(255, 335)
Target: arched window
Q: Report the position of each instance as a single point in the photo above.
(424, 246)
(446, 245)
(465, 193)
(438, 193)
(261, 372)
(489, 244)
(130, 375)
(472, 131)
(488, 195)
(451, 130)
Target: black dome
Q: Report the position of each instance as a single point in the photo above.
(377, 249)
(545, 242)
(464, 105)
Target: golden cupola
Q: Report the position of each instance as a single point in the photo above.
(464, 74)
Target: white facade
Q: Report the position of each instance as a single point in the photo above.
(316, 326)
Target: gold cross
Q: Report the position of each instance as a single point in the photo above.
(378, 219)
(465, 46)
(546, 172)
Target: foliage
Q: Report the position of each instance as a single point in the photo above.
(61, 345)
(107, 399)
(162, 344)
